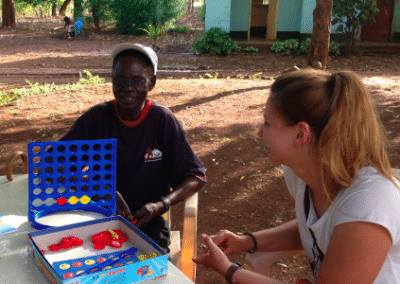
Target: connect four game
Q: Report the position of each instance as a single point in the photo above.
(71, 175)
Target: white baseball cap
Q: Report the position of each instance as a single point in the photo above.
(146, 50)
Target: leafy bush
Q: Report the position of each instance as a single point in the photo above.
(334, 48)
(214, 42)
(250, 49)
(134, 16)
(305, 46)
(277, 46)
(351, 14)
(291, 46)
(202, 12)
(288, 46)
(179, 29)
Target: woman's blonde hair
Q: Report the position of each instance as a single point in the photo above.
(339, 109)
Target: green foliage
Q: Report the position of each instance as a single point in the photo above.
(179, 29)
(250, 49)
(36, 89)
(202, 12)
(305, 46)
(334, 48)
(288, 46)
(214, 42)
(351, 14)
(134, 16)
(100, 12)
(291, 46)
(154, 31)
(90, 79)
(277, 46)
(34, 7)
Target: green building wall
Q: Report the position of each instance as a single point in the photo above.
(218, 14)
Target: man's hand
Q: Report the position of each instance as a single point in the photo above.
(123, 208)
(147, 213)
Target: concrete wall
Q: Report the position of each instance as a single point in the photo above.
(307, 23)
(396, 21)
(289, 15)
(240, 10)
(218, 14)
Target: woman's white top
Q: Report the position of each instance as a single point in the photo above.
(371, 198)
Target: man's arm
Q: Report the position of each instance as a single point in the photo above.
(185, 189)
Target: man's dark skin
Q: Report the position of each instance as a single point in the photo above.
(131, 101)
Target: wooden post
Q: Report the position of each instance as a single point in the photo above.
(272, 21)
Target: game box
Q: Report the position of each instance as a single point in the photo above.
(104, 251)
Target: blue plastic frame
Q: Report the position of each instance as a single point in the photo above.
(71, 175)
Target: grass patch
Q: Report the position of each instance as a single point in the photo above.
(16, 94)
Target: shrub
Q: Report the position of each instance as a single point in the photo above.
(351, 14)
(202, 12)
(277, 46)
(334, 48)
(179, 29)
(250, 49)
(288, 46)
(291, 46)
(134, 16)
(214, 42)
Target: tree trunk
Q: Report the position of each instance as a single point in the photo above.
(8, 14)
(95, 14)
(64, 7)
(320, 38)
(54, 10)
(78, 9)
(190, 7)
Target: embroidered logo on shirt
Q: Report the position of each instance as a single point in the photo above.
(152, 155)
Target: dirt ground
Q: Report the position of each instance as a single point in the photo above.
(219, 100)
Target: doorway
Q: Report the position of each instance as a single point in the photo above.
(258, 19)
(380, 30)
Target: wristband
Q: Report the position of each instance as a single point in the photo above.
(166, 202)
(254, 240)
(231, 271)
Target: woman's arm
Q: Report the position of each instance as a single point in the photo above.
(356, 253)
(215, 258)
(283, 237)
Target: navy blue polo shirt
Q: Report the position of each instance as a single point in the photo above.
(153, 153)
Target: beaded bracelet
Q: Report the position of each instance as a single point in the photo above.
(254, 240)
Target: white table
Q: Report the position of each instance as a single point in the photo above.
(16, 264)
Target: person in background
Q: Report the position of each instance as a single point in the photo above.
(153, 153)
(325, 130)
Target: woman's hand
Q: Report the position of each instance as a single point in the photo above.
(213, 257)
(229, 242)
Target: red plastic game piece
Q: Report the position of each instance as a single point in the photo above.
(113, 238)
(54, 247)
(99, 245)
(66, 243)
(116, 244)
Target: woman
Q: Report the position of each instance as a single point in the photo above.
(324, 129)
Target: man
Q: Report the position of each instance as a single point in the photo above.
(69, 24)
(153, 152)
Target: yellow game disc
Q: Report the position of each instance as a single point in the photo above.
(65, 266)
(73, 200)
(85, 199)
